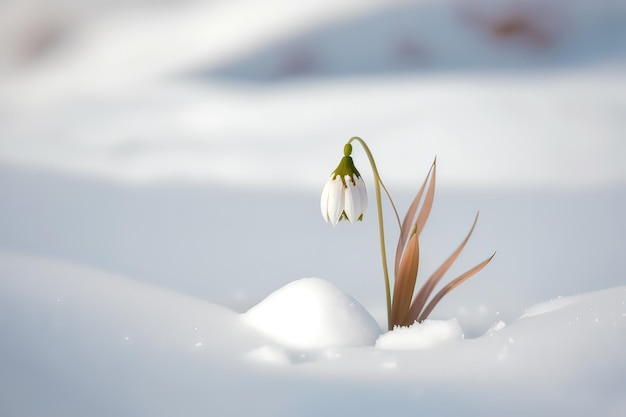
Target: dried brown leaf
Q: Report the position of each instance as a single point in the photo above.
(428, 201)
(452, 285)
(427, 288)
(406, 275)
(407, 223)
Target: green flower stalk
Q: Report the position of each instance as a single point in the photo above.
(345, 195)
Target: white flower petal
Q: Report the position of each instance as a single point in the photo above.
(360, 185)
(324, 200)
(335, 200)
(352, 205)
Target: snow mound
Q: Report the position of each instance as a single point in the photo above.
(549, 306)
(312, 313)
(428, 334)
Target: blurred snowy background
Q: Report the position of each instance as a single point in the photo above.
(183, 144)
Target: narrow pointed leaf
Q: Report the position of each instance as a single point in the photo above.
(422, 217)
(427, 288)
(406, 275)
(452, 285)
(407, 223)
(393, 206)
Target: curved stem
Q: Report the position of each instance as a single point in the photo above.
(381, 227)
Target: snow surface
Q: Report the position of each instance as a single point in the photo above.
(78, 340)
(312, 313)
(160, 171)
(428, 334)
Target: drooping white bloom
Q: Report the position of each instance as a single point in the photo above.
(343, 197)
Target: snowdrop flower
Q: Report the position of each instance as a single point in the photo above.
(344, 196)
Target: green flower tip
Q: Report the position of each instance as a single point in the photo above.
(346, 170)
(347, 149)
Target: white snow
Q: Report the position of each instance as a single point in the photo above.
(75, 337)
(425, 335)
(161, 164)
(312, 313)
